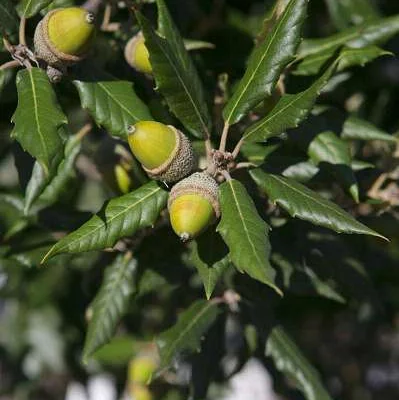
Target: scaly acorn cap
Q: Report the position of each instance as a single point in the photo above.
(63, 36)
(137, 55)
(193, 205)
(164, 152)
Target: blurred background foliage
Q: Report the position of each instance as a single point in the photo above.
(345, 318)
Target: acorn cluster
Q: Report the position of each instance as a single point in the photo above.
(167, 155)
(62, 38)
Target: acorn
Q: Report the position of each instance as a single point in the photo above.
(63, 37)
(164, 152)
(141, 369)
(193, 205)
(137, 55)
(138, 392)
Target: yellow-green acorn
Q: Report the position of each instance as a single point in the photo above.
(139, 392)
(141, 369)
(164, 152)
(136, 54)
(193, 205)
(64, 35)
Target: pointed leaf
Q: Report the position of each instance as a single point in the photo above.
(175, 73)
(112, 104)
(29, 8)
(288, 112)
(302, 202)
(327, 147)
(245, 233)
(120, 217)
(267, 62)
(38, 117)
(209, 255)
(358, 129)
(186, 335)
(374, 32)
(291, 362)
(349, 57)
(110, 303)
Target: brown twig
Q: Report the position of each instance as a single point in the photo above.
(243, 165)
(22, 29)
(223, 138)
(10, 64)
(226, 175)
(237, 148)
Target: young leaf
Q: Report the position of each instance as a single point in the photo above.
(29, 8)
(110, 303)
(186, 335)
(374, 32)
(120, 217)
(327, 147)
(349, 57)
(301, 202)
(267, 62)
(8, 20)
(113, 104)
(210, 256)
(358, 129)
(245, 233)
(38, 117)
(288, 112)
(175, 74)
(291, 362)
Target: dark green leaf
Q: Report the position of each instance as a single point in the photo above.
(38, 117)
(267, 62)
(120, 217)
(245, 233)
(301, 202)
(186, 335)
(374, 32)
(327, 147)
(303, 171)
(110, 303)
(257, 153)
(8, 20)
(349, 57)
(358, 129)
(113, 104)
(289, 111)
(345, 13)
(291, 362)
(29, 8)
(175, 73)
(210, 256)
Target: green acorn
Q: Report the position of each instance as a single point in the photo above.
(164, 152)
(137, 55)
(63, 36)
(193, 205)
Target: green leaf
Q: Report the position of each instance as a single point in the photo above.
(267, 62)
(288, 112)
(209, 255)
(110, 303)
(358, 129)
(349, 57)
(120, 217)
(186, 335)
(257, 153)
(327, 147)
(38, 117)
(113, 104)
(345, 13)
(301, 202)
(292, 363)
(245, 233)
(175, 74)
(303, 171)
(374, 32)
(8, 20)
(29, 8)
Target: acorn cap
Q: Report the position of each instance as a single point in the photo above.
(193, 205)
(63, 36)
(178, 164)
(137, 55)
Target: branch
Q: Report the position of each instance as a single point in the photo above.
(10, 64)
(22, 28)
(237, 148)
(223, 139)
